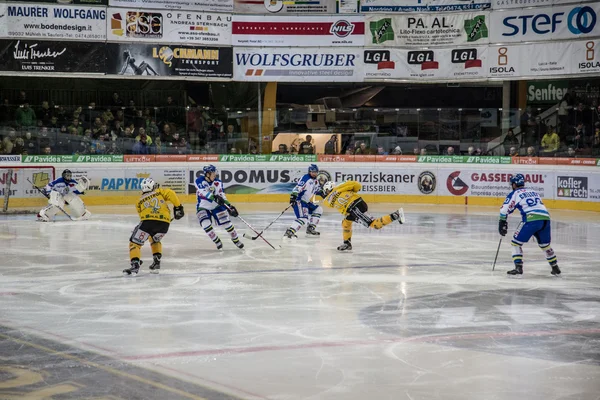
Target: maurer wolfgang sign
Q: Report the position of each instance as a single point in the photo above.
(48, 57)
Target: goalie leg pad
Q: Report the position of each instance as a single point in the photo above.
(56, 199)
(76, 205)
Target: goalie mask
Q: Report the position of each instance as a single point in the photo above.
(148, 185)
(67, 175)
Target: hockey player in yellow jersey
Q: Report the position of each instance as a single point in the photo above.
(155, 218)
(346, 200)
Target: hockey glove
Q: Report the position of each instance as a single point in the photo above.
(233, 211)
(220, 201)
(293, 198)
(178, 212)
(503, 227)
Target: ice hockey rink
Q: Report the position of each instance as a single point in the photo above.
(414, 312)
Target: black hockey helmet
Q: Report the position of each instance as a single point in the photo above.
(67, 174)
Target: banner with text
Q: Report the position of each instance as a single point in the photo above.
(576, 21)
(368, 6)
(45, 56)
(192, 5)
(283, 7)
(254, 30)
(77, 2)
(168, 26)
(424, 30)
(31, 21)
(502, 4)
(169, 60)
(298, 64)
(433, 64)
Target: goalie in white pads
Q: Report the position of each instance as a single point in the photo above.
(65, 191)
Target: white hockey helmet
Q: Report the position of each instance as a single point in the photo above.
(328, 187)
(148, 185)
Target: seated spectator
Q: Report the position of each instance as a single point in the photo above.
(82, 148)
(8, 143)
(166, 132)
(423, 152)
(450, 151)
(117, 130)
(139, 121)
(513, 152)
(283, 149)
(306, 147)
(179, 144)
(47, 150)
(113, 148)
(141, 146)
(349, 152)
(570, 152)
(416, 151)
(233, 150)
(531, 152)
(25, 116)
(96, 125)
(107, 116)
(362, 149)
(381, 151)
(153, 129)
(128, 133)
(99, 146)
(148, 139)
(54, 124)
(510, 139)
(77, 126)
(30, 144)
(550, 143)
(44, 113)
(19, 147)
(471, 151)
(397, 151)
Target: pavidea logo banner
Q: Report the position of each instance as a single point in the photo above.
(451, 29)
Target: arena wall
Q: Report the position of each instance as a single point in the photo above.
(562, 187)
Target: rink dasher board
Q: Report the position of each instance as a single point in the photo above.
(570, 187)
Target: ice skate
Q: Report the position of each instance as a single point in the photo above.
(238, 243)
(517, 272)
(312, 230)
(346, 246)
(134, 269)
(555, 270)
(289, 234)
(398, 215)
(42, 217)
(219, 244)
(155, 266)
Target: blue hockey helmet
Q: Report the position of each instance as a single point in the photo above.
(209, 168)
(518, 180)
(313, 168)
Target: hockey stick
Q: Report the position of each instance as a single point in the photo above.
(253, 230)
(48, 197)
(268, 226)
(497, 251)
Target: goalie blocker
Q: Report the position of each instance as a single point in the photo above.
(65, 191)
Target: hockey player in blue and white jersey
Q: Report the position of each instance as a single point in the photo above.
(307, 212)
(213, 204)
(535, 222)
(65, 191)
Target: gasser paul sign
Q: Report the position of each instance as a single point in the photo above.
(169, 60)
(367, 6)
(439, 29)
(191, 5)
(254, 30)
(298, 64)
(577, 21)
(168, 26)
(38, 21)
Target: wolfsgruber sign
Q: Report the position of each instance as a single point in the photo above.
(169, 60)
(48, 57)
(280, 30)
(31, 21)
(386, 6)
(439, 29)
(298, 64)
(168, 26)
(191, 5)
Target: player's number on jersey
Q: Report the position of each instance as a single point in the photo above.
(533, 202)
(152, 204)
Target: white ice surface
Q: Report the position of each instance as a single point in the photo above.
(414, 312)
